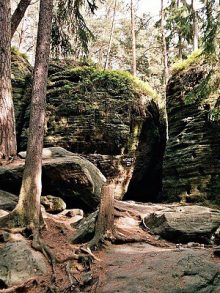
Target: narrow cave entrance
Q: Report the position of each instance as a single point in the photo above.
(146, 182)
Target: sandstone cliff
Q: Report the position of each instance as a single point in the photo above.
(192, 159)
(110, 117)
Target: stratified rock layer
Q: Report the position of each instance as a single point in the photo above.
(74, 179)
(108, 116)
(192, 161)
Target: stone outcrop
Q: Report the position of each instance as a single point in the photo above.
(140, 267)
(108, 116)
(174, 222)
(76, 180)
(191, 170)
(18, 263)
(184, 223)
(8, 200)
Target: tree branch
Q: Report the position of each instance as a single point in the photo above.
(18, 15)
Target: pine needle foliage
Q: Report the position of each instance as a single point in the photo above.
(69, 25)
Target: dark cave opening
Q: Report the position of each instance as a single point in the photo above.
(146, 182)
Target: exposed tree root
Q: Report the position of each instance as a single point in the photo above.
(88, 250)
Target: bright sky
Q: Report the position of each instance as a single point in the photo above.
(145, 6)
(153, 6)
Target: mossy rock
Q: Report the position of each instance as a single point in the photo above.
(90, 110)
(192, 165)
(53, 204)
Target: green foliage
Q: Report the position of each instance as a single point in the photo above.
(214, 115)
(121, 81)
(69, 26)
(193, 58)
(211, 25)
(207, 89)
(16, 52)
(116, 82)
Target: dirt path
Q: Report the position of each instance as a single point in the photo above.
(140, 267)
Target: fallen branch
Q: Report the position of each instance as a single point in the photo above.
(88, 250)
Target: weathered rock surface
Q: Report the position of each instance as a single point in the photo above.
(76, 180)
(143, 268)
(108, 113)
(8, 200)
(18, 263)
(174, 222)
(53, 204)
(184, 223)
(192, 160)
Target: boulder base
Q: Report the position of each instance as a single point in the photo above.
(184, 223)
(18, 263)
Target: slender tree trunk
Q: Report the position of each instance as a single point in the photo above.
(18, 15)
(195, 27)
(164, 44)
(105, 221)
(7, 120)
(165, 68)
(29, 199)
(134, 61)
(111, 37)
(180, 41)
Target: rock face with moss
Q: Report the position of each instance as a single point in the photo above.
(192, 159)
(21, 84)
(111, 118)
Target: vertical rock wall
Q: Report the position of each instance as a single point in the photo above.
(192, 159)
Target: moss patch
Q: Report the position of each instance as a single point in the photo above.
(193, 59)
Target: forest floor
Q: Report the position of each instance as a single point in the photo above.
(150, 265)
(129, 267)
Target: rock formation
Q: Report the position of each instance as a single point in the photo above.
(108, 116)
(73, 178)
(192, 161)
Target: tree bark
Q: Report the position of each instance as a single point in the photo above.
(111, 37)
(8, 146)
(18, 15)
(180, 41)
(165, 68)
(164, 44)
(134, 61)
(105, 221)
(195, 27)
(29, 199)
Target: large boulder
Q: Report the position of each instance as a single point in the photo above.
(192, 159)
(73, 178)
(184, 223)
(8, 200)
(108, 114)
(18, 263)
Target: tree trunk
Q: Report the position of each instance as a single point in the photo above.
(134, 61)
(29, 199)
(165, 68)
(105, 221)
(8, 146)
(18, 15)
(164, 44)
(180, 43)
(195, 27)
(111, 37)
